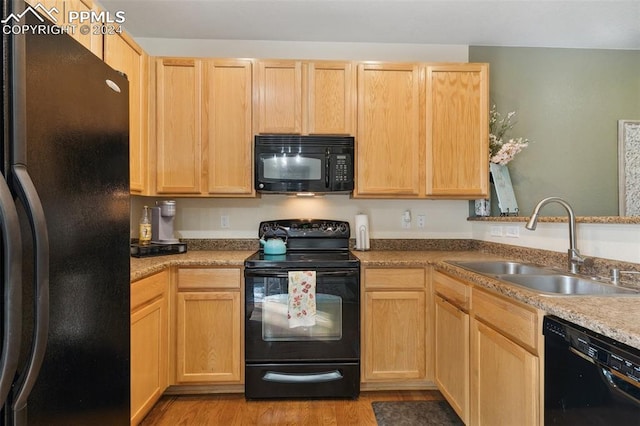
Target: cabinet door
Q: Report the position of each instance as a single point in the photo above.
(394, 335)
(504, 380)
(452, 356)
(457, 130)
(208, 337)
(279, 97)
(149, 343)
(389, 152)
(123, 54)
(227, 133)
(93, 39)
(330, 98)
(178, 135)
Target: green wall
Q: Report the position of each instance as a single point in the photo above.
(568, 102)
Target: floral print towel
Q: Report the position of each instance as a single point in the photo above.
(302, 299)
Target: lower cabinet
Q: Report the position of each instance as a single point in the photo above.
(505, 386)
(394, 328)
(487, 354)
(208, 326)
(505, 361)
(149, 342)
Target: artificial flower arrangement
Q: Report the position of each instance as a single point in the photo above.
(501, 151)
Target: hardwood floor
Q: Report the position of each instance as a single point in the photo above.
(233, 409)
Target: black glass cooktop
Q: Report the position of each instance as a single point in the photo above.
(303, 259)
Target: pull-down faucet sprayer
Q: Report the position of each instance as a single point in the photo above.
(575, 260)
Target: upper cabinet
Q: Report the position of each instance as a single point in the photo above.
(91, 36)
(422, 131)
(303, 97)
(203, 127)
(123, 54)
(178, 121)
(457, 130)
(389, 151)
(227, 135)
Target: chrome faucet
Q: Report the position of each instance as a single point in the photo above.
(575, 260)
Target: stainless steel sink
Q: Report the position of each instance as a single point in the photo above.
(565, 284)
(543, 280)
(492, 267)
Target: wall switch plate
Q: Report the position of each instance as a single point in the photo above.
(421, 220)
(224, 221)
(496, 231)
(406, 219)
(513, 232)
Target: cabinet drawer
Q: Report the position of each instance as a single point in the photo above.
(409, 278)
(204, 278)
(515, 321)
(148, 289)
(453, 290)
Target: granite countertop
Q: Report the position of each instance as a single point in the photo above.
(617, 317)
(145, 266)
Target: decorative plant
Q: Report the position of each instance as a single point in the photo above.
(502, 151)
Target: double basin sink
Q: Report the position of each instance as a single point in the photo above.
(543, 280)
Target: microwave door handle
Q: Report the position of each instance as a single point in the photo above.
(327, 168)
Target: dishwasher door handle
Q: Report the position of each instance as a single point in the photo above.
(610, 378)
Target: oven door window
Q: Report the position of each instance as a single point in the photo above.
(275, 317)
(291, 167)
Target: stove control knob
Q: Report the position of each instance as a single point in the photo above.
(342, 228)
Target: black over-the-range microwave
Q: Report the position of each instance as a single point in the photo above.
(304, 164)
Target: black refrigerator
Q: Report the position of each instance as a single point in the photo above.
(64, 223)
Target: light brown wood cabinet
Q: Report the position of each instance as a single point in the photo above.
(457, 136)
(422, 131)
(227, 134)
(389, 150)
(149, 342)
(496, 341)
(452, 341)
(305, 97)
(123, 54)
(505, 364)
(394, 328)
(92, 40)
(203, 127)
(208, 326)
(178, 126)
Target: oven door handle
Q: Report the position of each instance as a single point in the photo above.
(328, 376)
(268, 273)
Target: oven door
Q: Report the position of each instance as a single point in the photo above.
(335, 335)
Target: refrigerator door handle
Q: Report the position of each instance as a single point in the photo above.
(12, 289)
(26, 191)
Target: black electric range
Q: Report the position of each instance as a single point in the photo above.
(319, 359)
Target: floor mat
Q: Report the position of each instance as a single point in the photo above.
(413, 413)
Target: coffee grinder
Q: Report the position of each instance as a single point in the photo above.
(162, 217)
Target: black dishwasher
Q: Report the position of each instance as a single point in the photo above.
(590, 379)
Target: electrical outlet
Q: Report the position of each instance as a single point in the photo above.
(513, 232)
(496, 231)
(224, 221)
(421, 220)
